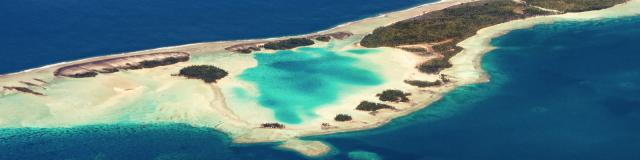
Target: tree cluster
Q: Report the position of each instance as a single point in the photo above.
(371, 106)
(288, 44)
(207, 73)
(454, 24)
(422, 84)
(342, 117)
(575, 5)
(393, 95)
(272, 125)
(457, 23)
(84, 75)
(434, 65)
(323, 38)
(162, 62)
(248, 50)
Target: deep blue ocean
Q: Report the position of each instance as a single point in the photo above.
(566, 90)
(40, 32)
(558, 91)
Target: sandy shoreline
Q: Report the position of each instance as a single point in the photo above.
(475, 47)
(218, 44)
(126, 87)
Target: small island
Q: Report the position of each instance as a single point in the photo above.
(288, 44)
(343, 117)
(285, 44)
(206, 73)
(111, 65)
(372, 106)
(393, 95)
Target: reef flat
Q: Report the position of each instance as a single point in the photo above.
(235, 104)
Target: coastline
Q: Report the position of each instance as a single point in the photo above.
(466, 70)
(360, 27)
(476, 46)
(339, 27)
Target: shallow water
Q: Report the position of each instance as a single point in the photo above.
(295, 82)
(74, 102)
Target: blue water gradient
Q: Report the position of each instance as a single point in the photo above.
(295, 82)
(40, 32)
(130, 141)
(558, 91)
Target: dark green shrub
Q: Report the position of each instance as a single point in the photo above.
(434, 65)
(84, 75)
(272, 125)
(288, 44)
(207, 73)
(452, 24)
(342, 117)
(370, 106)
(393, 95)
(575, 5)
(421, 84)
(323, 38)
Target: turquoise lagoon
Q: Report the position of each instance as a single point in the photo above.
(295, 82)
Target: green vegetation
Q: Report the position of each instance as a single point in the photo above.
(272, 125)
(343, 117)
(448, 49)
(456, 23)
(393, 95)
(370, 106)
(288, 44)
(323, 38)
(444, 78)
(108, 70)
(416, 50)
(207, 73)
(422, 84)
(450, 25)
(248, 50)
(156, 63)
(575, 5)
(460, 22)
(84, 75)
(434, 65)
